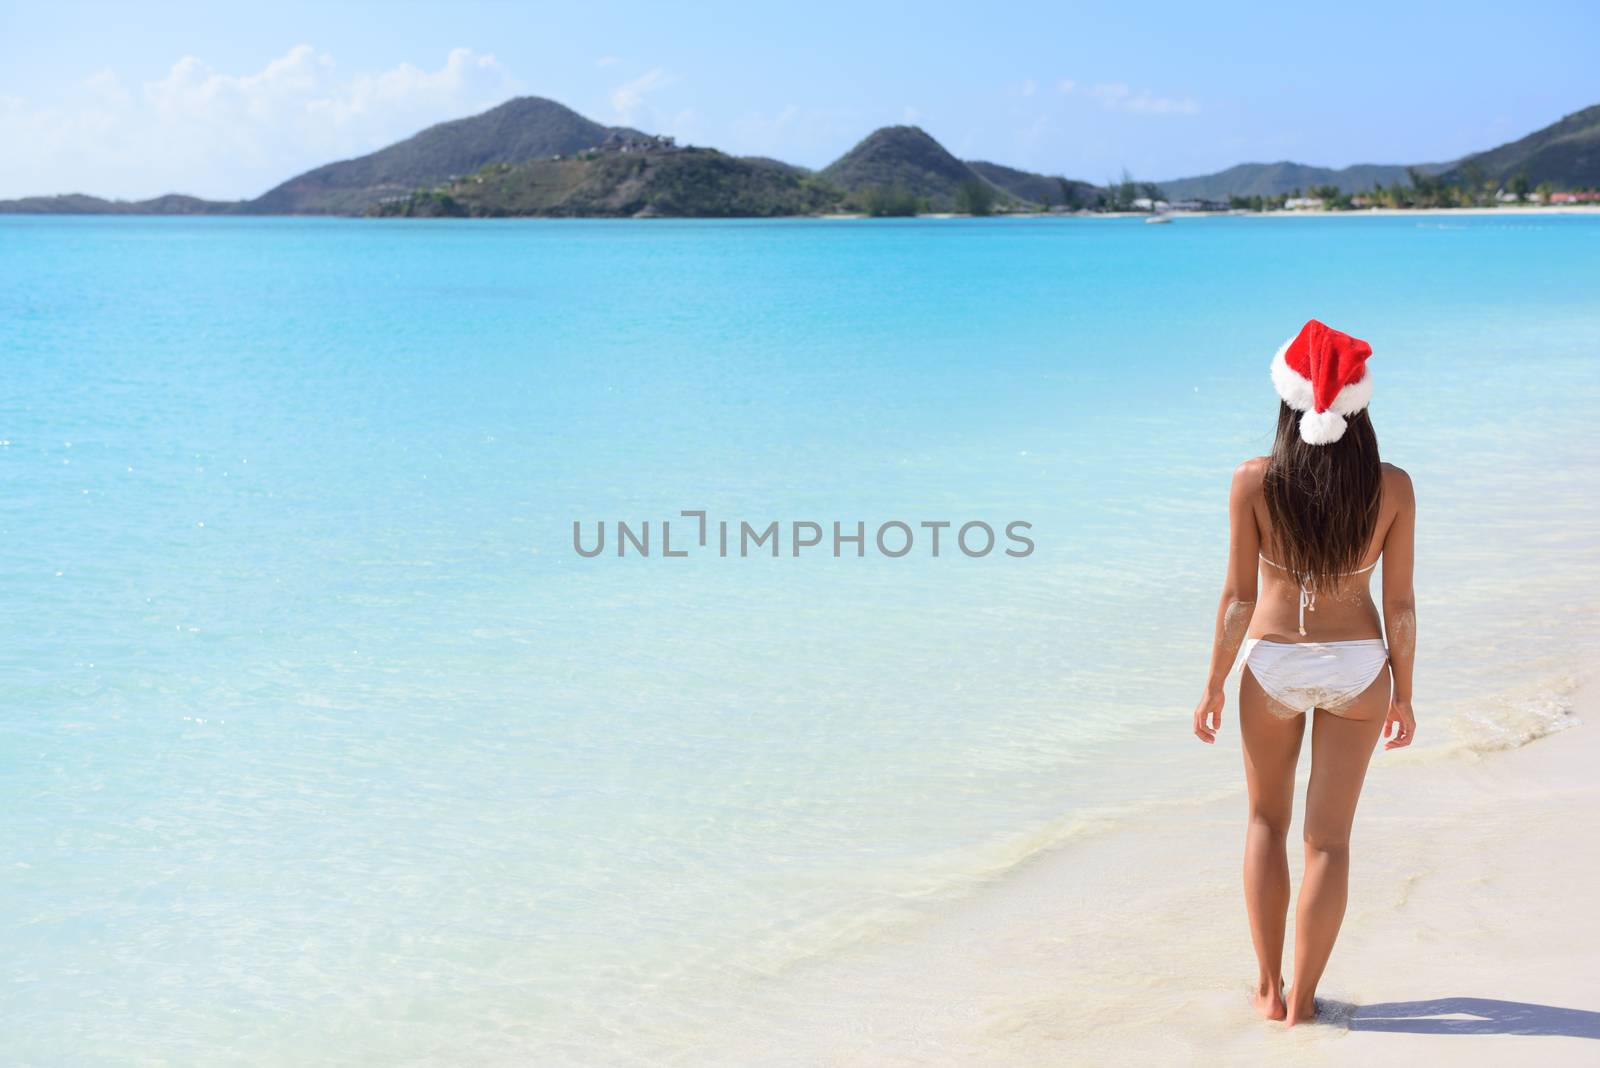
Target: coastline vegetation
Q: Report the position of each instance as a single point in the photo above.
(1422, 191)
(892, 201)
(975, 197)
(692, 182)
(665, 182)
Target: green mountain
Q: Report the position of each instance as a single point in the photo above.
(1275, 179)
(1035, 188)
(768, 161)
(905, 158)
(624, 181)
(526, 128)
(83, 204)
(1564, 154)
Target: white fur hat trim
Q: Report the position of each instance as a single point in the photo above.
(1318, 428)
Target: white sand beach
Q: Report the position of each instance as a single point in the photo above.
(1356, 213)
(1466, 938)
(1368, 213)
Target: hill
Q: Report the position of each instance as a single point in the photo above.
(903, 157)
(83, 204)
(1035, 188)
(1564, 154)
(904, 162)
(1275, 179)
(526, 128)
(663, 181)
(767, 161)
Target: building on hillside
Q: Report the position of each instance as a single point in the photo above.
(1198, 204)
(1581, 196)
(616, 141)
(1303, 204)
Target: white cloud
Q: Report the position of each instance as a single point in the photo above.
(910, 115)
(1028, 88)
(629, 98)
(608, 61)
(1066, 85)
(1117, 96)
(202, 131)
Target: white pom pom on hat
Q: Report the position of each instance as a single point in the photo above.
(1323, 373)
(1322, 428)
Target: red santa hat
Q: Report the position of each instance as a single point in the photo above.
(1323, 373)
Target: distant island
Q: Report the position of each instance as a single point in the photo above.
(898, 170)
(535, 157)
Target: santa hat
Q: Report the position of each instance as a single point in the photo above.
(1323, 373)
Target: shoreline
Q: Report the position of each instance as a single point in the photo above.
(932, 814)
(1357, 213)
(842, 216)
(1354, 213)
(1078, 957)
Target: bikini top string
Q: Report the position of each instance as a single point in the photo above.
(1308, 596)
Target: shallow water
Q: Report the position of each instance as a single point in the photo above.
(320, 740)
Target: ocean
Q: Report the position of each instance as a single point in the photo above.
(320, 740)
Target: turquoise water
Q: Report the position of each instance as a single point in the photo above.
(320, 742)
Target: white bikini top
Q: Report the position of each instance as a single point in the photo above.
(1308, 596)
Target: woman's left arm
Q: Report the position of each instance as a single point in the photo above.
(1238, 601)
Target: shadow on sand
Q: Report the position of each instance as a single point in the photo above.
(1468, 1016)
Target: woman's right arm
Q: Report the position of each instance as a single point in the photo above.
(1238, 601)
(1400, 611)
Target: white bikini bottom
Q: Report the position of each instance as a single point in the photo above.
(1300, 676)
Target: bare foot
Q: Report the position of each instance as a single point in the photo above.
(1301, 1010)
(1268, 1000)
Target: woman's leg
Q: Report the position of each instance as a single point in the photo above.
(1271, 751)
(1341, 746)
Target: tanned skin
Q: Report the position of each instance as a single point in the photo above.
(1264, 603)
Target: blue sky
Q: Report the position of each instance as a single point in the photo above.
(226, 100)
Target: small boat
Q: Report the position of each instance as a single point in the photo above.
(1158, 219)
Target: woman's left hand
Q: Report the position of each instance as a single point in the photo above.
(1208, 716)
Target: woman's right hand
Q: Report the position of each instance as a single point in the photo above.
(1402, 722)
(1208, 716)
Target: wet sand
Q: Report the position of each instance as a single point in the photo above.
(1469, 935)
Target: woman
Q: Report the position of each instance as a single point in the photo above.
(1308, 524)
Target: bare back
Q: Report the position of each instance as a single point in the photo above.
(1344, 612)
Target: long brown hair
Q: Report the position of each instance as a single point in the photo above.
(1323, 500)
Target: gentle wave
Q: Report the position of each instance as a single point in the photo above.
(312, 715)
